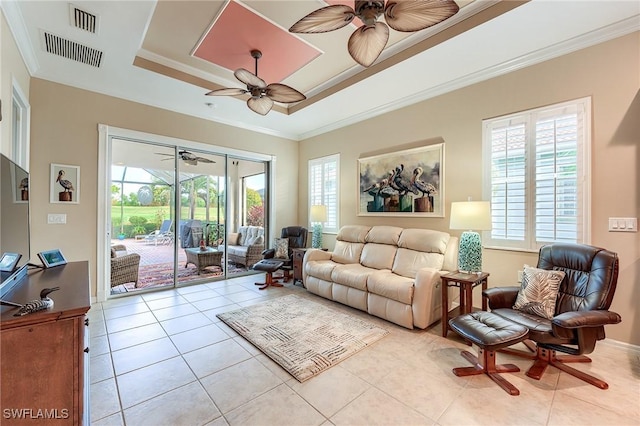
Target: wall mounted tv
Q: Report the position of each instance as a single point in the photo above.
(14, 221)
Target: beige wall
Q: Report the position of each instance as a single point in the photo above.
(609, 73)
(11, 67)
(65, 130)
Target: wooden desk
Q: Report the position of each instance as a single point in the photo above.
(466, 283)
(45, 355)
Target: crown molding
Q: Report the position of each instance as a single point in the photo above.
(610, 32)
(18, 29)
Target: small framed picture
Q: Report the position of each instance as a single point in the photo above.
(9, 261)
(65, 184)
(51, 258)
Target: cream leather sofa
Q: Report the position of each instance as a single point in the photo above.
(390, 272)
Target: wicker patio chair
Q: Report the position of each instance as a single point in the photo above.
(124, 267)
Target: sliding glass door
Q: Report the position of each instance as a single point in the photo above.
(181, 215)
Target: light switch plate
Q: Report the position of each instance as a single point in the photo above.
(623, 224)
(56, 219)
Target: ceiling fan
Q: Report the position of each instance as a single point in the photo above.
(368, 41)
(188, 157)
(262, 95)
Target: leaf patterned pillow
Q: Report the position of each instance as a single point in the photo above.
(539, 291)
(282, 248)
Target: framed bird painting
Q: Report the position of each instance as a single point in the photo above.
(65, 184)
(406, 183)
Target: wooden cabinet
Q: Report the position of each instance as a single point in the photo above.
(44, 356)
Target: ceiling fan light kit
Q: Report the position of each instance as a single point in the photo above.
(367, 42)
(262, 95)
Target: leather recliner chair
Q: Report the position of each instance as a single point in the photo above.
(581, 311)
(297, 236)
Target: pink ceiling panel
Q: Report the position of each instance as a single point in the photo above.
(238, 30)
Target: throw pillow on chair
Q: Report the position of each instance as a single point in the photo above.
(282, 248)
(539, 291)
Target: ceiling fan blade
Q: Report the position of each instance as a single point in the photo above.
(227, 92)
(283, 93)
(366, 43)
(323, 20)
(409, 16)
(260, 105)
(249, 78)
(204, 160)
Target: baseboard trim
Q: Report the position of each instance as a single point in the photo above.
(622, 345)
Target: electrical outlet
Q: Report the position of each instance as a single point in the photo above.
(520, 276)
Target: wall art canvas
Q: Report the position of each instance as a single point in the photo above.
(65, 184)
(405, 183)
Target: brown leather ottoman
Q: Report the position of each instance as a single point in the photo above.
(490, 333)
(269, 266)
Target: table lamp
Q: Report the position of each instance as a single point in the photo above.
(472, 216)
(317, 216)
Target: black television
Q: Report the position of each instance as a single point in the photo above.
(14, 222)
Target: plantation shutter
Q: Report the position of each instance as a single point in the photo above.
(508, 180)
(558, 182)
(324, 188)
(536, 176)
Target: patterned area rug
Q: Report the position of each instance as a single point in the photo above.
(304, 337)
(162, 273)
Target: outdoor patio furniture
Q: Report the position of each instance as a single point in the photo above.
(203, 258)
(124, 266)
(162, 235)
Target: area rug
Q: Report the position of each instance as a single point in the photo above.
(161, 274)
(303, 337)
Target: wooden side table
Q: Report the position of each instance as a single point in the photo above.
(298, 256)
(465, 282)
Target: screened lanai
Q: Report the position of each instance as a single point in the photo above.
(166, 227)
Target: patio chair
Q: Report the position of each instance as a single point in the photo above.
(124, 266)
(160, 236)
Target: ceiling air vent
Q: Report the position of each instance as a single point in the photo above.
(82, 19)
(72, 50)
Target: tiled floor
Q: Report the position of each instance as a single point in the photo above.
(164, 358)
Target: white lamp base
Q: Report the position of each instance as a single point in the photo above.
(470, 252)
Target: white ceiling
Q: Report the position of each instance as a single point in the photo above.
(533, 32)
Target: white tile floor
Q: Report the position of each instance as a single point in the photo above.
(164, 358)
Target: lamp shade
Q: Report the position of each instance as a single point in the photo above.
(471, 215)
(318, 214)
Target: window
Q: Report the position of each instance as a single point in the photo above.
(537, 176)
(324, 184)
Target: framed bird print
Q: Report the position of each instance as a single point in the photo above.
(65, 184)
(408, 183)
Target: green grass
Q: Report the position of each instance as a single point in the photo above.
(151, 213)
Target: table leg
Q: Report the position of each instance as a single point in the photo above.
(445, 308)
(484, 299)
(468, 290)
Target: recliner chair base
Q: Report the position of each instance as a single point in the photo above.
(544, 357)
(485, 363)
